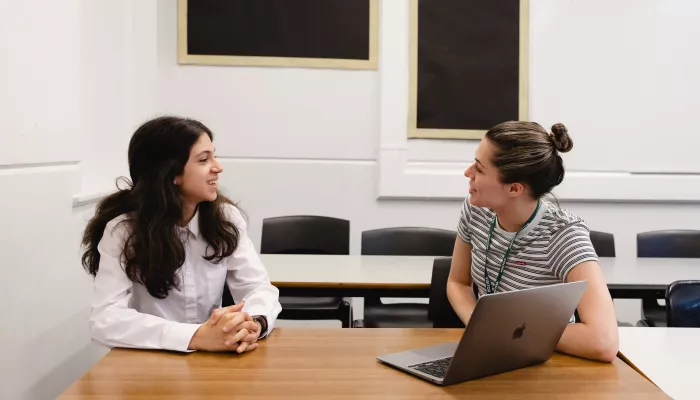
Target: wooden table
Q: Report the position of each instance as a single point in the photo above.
(340, 364)
(669, 357)
(401, 276)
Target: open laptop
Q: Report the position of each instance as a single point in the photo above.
(506, 331)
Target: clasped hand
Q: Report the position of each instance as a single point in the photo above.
(227, 329)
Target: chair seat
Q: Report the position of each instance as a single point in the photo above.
(316, 308)
(655, 317)
(397, 316)
(308, 303)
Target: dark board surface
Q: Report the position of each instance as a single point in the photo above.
(468, 63)
(334, 29)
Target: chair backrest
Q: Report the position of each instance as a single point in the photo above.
(603, 243)
(408, 242)
(669, 244)
(305, 234)
(683, 304)
(440, 310)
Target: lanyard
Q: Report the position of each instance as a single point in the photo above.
(487, 279)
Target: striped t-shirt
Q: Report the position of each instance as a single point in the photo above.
(542, 254)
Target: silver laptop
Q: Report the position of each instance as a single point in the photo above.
(507, 331)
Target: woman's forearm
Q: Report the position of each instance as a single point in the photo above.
(582, 341)
(462, 300)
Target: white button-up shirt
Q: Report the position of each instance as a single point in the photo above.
(124, 314)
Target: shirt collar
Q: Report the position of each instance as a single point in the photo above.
(193, 226)
(544, 205)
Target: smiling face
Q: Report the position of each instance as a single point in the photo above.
(485, 186)
(198, 181)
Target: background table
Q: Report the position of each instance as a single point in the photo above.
(669, 357)
(340, 364)
(409, 276)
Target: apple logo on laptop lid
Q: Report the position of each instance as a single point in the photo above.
(519, 331)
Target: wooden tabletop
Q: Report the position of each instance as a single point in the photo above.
(411, 272)
(340, 364)
(669, 357)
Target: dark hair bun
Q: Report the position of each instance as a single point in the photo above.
(561, 139)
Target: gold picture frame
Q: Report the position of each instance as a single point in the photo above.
(422, 133)
(371, 64)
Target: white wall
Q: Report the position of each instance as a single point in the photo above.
(44, 335)
(623, 73)
(105, 95)
(75, 76)
(119, 63)
(37, 73)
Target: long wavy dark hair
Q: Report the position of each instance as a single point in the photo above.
(153, 251)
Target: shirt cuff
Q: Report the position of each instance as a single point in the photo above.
(264, 333)
(267, 330)
(177, 337)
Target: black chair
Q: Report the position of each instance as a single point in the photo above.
(408, 242)
(664, 244)
(603, 243)
(306, 234)
(402, 241)
(683, 304)
(669, 244)
(440, 311)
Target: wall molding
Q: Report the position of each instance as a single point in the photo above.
(41, 167)
(94, 197)
(291, 160)
(403, 179)
(85, 199)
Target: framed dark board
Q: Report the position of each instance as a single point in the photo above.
(291, 33)
(468, 66)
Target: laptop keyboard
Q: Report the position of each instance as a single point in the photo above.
(436, 368)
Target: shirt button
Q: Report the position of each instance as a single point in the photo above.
(187, 274)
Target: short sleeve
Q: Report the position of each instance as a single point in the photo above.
(570, 247)
(464, 228)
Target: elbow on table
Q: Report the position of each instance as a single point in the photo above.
(99, 332)
(607, 355)
(606, 348)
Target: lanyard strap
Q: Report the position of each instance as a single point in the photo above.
(487, 279)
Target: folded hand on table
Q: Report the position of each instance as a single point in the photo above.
(227, 329)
